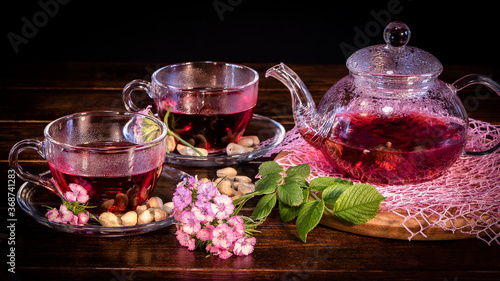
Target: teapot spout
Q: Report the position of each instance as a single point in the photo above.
(304, 109)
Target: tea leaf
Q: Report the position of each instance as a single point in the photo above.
(264, 206)
(268, 184)
(269, 167)
(309, 216)
(321, 183)
(301, 181)
(290, 194)
(288, 213)
(333, 192)
(303, 170)
(358, 203)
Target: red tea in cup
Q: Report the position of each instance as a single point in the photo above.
(209, 103)
(106, 153)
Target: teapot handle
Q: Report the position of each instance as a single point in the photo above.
(488, 82)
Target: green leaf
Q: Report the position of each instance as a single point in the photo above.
(333, 192)
(303, 170)
(296, 179)
(358, 203)
(268, 184)
(309, 216)
(288, 213)
(264, 206)
(305, 192)
(269, 167)
(321, 183)
(290, 194)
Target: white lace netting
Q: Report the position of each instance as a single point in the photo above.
(466, 198)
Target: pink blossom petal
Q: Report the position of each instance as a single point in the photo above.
(53, 215)
(182, 198)
(80, 192)
(182, 237)
(222, 236)
(189, 223)
(238, 226)
(204, 234)
(225, 254)
(185, 240)
(74, 220)
(83, 218)
(244, 246)
(70, 196)
(65, 214)
(222, 207)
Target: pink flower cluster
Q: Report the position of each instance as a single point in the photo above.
(77, 195)
(205, 219)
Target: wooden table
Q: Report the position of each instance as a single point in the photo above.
(34, 94)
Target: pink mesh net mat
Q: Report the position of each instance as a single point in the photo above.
(465, 199)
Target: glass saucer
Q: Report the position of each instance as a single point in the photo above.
(270, 132)
(31, 199)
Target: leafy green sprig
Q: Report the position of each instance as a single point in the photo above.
(307, 202)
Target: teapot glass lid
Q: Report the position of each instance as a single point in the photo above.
(394, 58)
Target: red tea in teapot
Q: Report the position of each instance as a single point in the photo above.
(393, 149)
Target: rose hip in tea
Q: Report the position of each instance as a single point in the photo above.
(393, 149)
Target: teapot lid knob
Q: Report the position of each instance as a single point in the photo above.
(397, 34)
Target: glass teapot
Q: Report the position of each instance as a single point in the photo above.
(391, 120)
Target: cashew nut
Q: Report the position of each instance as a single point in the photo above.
(141, 208)
(237, 195)
(106, 205)
(188, 151)
(168, 207)
(248, 141)
(160, 214)
(225, 188)
(228, 171)
(234, 148)
(145, 217)
(155, 202)
(109, 219)
(244, 179)
(121, 202)
(129, 218)
(245, 187)
(170, 143)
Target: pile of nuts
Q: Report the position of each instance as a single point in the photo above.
(154, 210)
(233, 185)
(245, 144)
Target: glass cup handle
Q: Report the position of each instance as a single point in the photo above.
(488, 82)
(21, 172)
(129, 89)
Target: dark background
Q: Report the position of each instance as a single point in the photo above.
(244, 30)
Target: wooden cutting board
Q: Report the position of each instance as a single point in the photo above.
(390, 225)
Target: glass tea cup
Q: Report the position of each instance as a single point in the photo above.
(210, 103)
(116, 156)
